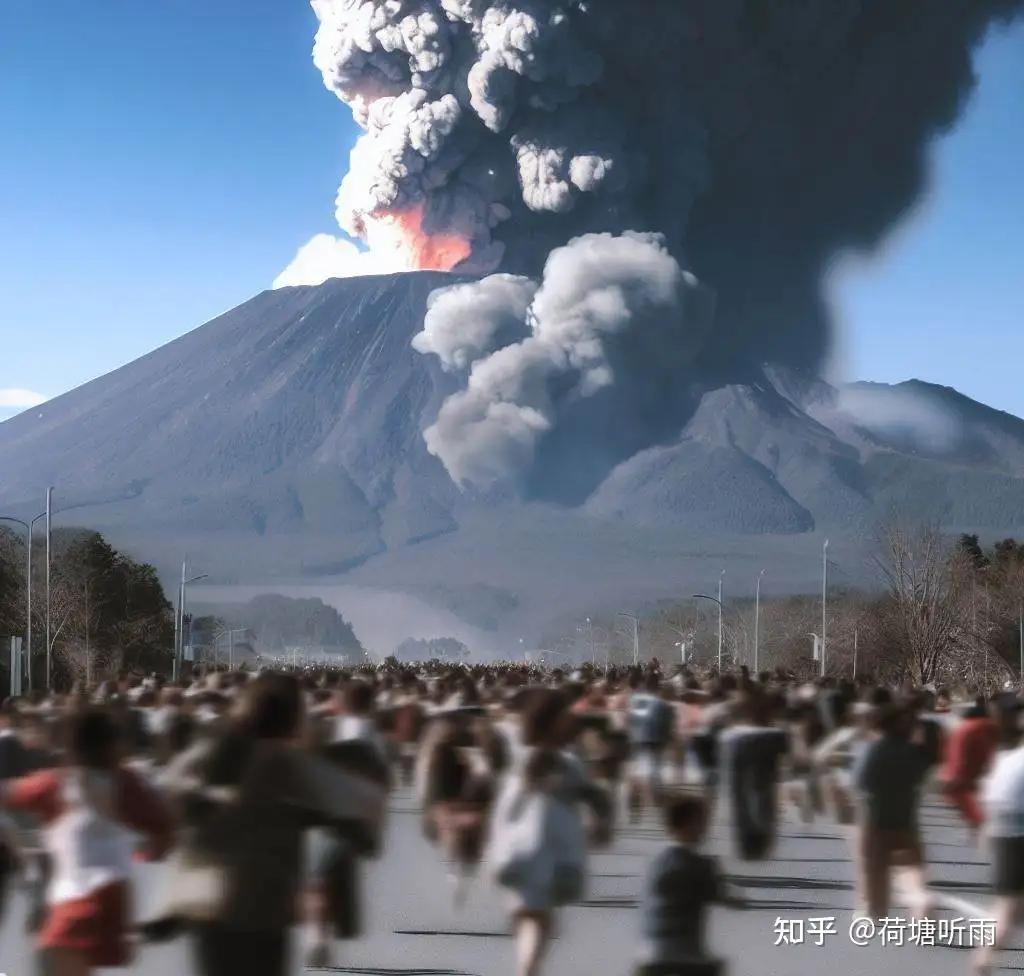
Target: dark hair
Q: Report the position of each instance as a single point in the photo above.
(542, 716)
(94, 736)
(271, 706)
(684, 811)
(880, 697)
(358, 698)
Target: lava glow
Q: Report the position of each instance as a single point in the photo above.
(398, 237)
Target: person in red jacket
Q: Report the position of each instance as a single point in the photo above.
(970, 746)
(85, 807)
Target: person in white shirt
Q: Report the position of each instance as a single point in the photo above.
(1003, 800)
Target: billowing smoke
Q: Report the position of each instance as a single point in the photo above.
(530, 352)
(760, 138)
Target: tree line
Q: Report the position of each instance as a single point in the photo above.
(108, 612)
(943, 610)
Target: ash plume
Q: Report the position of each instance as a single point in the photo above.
(596, 291)
(759, 138)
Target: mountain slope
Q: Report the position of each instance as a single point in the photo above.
(297, 411)
(282, 441)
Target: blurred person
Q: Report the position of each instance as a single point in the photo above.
(834, 758)
(247, 794)
(651, 730)
(969, 749)
(87, 806)
(680, 886)
(751, 751)
(888, 776)
(538, 843)
(1003, 801)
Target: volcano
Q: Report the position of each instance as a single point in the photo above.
(282, 442)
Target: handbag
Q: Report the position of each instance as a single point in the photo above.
(197, 889)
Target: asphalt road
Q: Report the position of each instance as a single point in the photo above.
(414, 930)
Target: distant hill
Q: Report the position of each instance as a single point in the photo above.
(282, 442)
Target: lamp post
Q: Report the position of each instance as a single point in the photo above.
(636, 634)
(179, 650)
(824, 601)
(718, 601)
(230, 635)
(29, 528)
(49, 549)
(757, 618)
(1020, 632)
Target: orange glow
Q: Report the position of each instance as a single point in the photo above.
(400, 235)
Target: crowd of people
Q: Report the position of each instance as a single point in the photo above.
(266, 791)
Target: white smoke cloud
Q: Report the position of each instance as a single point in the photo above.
(13, 398)
(904, 413)
(326, 257)
(594, 289)
(465, 322)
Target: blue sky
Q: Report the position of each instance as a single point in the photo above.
(163, 162)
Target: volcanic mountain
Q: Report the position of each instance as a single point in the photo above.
(283, 442)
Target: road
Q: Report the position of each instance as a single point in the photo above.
(413, 930)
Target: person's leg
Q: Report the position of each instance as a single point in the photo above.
(1008, 912)
(907, 862)
(324, 850)
(533, 935)
(875, 857)
(218, 951)
(66, 962)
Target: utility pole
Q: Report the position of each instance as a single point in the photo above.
(49, 551)
(88, 652)
(824, 601)
(757, 619)
(636, 634)
(721, 576)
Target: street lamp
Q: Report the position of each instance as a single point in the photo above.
(757, 618)
(636, 634)
(824, 600)
(718, 601)
(29, 528)
(49, 548)
(230, 635)
(683, 643)
(179, 649)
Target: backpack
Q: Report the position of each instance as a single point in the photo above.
(409, 722)
(651, 721)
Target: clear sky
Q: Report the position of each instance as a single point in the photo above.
(163, 162)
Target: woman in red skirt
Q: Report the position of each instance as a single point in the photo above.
(89, 808)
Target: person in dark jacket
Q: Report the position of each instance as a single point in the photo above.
(681, 885)
(247, 795)
(887, 777)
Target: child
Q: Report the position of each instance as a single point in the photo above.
(680, 885)
(85, 807)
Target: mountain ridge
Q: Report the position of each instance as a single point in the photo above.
(283, 440)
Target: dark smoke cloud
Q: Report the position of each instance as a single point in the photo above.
(760, 137)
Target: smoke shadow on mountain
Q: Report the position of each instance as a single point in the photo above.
(593, 438)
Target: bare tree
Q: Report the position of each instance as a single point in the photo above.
(924, 618)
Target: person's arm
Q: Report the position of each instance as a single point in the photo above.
(865, 770)
(37, 794)
(144, 812)
(721, 891)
